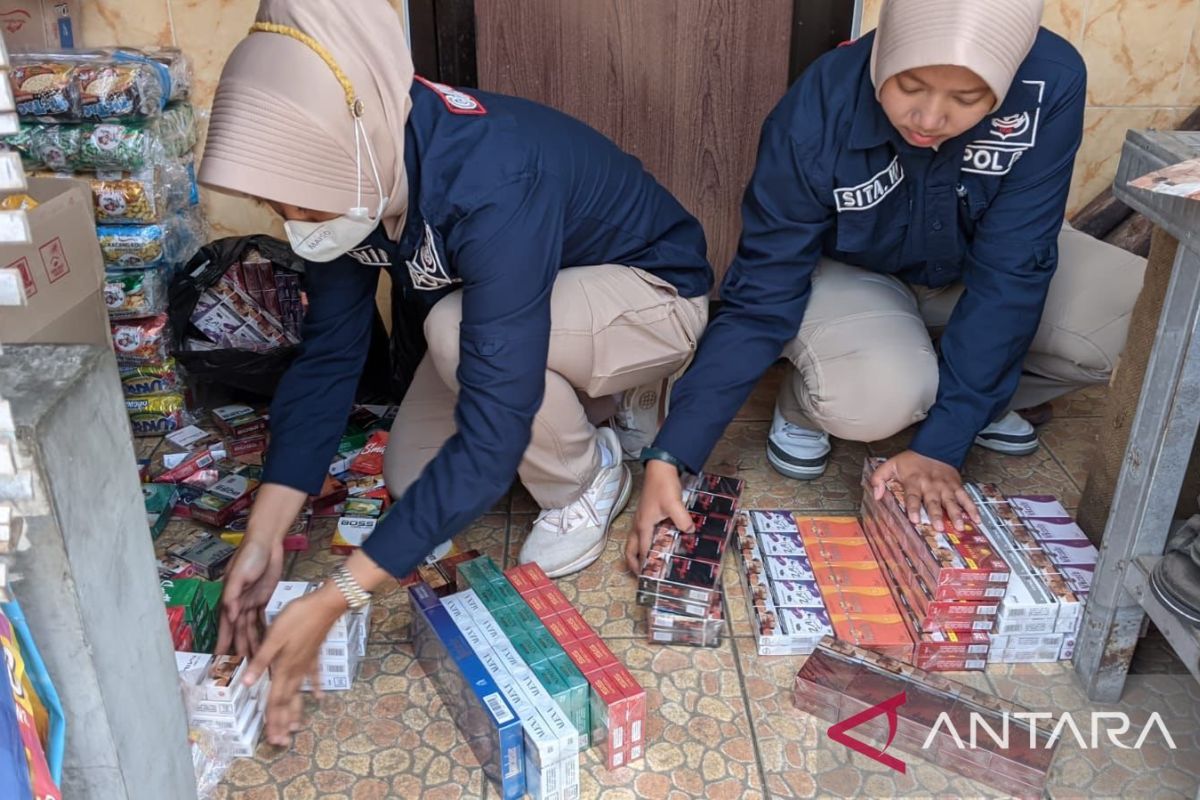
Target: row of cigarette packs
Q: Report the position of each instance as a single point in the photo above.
(509, 699)
(218, 700)
(344, 646)
(928, 716)
(680, 581)
(811, 577)
(1053, 566)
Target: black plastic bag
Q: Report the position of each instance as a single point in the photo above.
(246, 372)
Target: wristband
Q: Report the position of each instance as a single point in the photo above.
(658, 454)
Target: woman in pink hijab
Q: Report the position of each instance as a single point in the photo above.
(562, 285)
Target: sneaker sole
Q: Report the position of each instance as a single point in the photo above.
(1022, 448)
(589, 558)
(794, 471)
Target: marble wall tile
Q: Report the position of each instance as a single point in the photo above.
(1065, 17)
(127, 22)
(1189, 87)
(870, 15)
(1136, 49)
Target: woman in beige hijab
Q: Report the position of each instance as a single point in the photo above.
(559, 278)
(910, 185)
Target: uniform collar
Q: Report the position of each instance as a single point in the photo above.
(872, 128)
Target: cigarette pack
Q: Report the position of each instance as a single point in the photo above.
(1072, 552)
(159, 500)
(1055, 530)
(781, 544)
(1032, 507)
(224, 678)
(295, 540)
(952, 652)
(716, 484)
(682, 578)
(351, 533)
(208, 554)
(710, 504)
(700, 547)
(773, 521)
(711, 525)
(239, 420)
(789, 568)
(802, 594)
(839, 680)
(635, 710)
(608, 714)
(192, 667)
(486, 719)
(333, 493)
(1079, 579)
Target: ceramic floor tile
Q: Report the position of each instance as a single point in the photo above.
(1096, 767)
(390, 613)
(144, 446)
(1087, 402)
(1039, 473)
(742, 453)
(799, 760)
(697, 730)
(391, 736)
(1072, 442)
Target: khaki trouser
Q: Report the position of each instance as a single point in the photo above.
(612, 328)
(865, 366)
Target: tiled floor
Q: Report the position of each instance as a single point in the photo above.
(721, 722)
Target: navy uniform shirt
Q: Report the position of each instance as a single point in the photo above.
(504, 194)
(835, 178)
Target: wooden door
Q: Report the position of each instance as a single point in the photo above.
(684, 85)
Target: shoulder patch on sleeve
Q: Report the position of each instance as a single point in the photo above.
(456, 100)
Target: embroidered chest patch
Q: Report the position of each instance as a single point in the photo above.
(456, 100)
(426, 269)
(1005, 140)
(871, 192)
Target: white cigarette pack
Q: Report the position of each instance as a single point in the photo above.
(192, 667)
(285, 592)
(224, 678)
(1045, 530)
(242, 696)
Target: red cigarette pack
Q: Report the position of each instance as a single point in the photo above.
(599, 651)
(538, 604)
(635, 711)
(557, 601)
(609, 718)
(559, 630)
(576, 624)
(581, 657)
(527, 575)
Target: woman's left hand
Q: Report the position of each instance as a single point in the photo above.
(291, 652)
(927, 483)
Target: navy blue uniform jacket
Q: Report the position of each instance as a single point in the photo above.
(504, 194)
(835, 178)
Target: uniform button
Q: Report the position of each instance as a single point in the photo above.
(937, 225)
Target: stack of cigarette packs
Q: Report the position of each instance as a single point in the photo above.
(1053, 566)
(948, 585)
(617, 707)
(193, 611)
(812, 577)
(219, 702)
(440, 574)
(680, 581)
(344, 646)
(840, 680)
(564, 687)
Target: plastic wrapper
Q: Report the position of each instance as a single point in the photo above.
(141, 341)
(157, 414)
(134, 198)
(135, 293)
(128, 146)
(152, 379)
(98, 85)
(143, 246)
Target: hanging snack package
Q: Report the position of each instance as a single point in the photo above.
(18, 202)
(128, 146)
(141, 341)
(135, 293)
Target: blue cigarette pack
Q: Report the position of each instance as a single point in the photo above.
(486, 719)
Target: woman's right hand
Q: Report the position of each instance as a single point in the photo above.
(250, 581)
(662, 499)
(256, 568)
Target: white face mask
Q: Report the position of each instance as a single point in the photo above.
(322, 242)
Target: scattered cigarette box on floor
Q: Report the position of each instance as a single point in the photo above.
(345, 645)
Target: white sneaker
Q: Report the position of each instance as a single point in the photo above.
(565, 540)
(640, 413)
(1010, 435)
(800, 453)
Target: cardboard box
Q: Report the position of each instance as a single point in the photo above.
(62, 270)
(40, 24)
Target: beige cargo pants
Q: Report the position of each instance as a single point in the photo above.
(865, 366)
(612, 328)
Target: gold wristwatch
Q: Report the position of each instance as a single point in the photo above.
(356, 596)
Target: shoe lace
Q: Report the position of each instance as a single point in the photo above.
(573, 516)
(798, 433)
